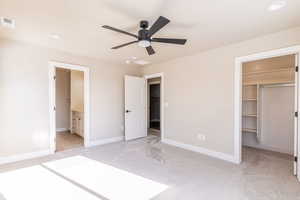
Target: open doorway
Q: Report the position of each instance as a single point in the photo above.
(153, 102)
(69, 90)
(268, 109)
(69, 109)
(137, 106)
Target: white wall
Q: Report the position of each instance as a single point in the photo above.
(24, 92)
(199, 90)
(62, 99)
(77, 91)
(277, 121)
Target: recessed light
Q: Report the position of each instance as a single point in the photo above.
(6, 22)
(54, 36)
(127, 62)
(133, 58)
(276, 5)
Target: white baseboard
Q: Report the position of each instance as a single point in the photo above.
(215, 154)
(25, 156)
(58, 130)
(269, 148)
(105, 141)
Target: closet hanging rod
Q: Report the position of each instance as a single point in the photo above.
(278, 85)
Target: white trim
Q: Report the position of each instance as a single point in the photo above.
(86, 71)
(296, 121)
(162, 101)
(201, 150)
(238, 91)
(106, 141)
(58, 130)
(25, 156)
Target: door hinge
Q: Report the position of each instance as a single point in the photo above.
(296, 159)
(54, 108)
(296, 114)
(297, 68)
(54, 77)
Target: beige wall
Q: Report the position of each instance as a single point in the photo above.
(63, 95)
(77, 91)
(24, 92)
(199, 90)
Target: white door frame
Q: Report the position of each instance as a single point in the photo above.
(238, 92)
(52, 101)
(162, 102)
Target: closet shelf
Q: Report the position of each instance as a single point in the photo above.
(250, 99)
(269, 71)
(249, 115)
(270, 82)
(249, 130)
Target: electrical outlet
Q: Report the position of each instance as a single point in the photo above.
(201, 137)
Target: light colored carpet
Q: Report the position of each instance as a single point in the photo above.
(262, 176)
(66, 141)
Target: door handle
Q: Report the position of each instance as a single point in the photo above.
(128, 111)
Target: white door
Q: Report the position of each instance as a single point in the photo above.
(135, 107)
(52, 83)
(296, 138)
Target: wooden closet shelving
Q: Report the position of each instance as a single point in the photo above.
(257, 74)
(251, 109)
(280, 69)
(249, 130)
(250, 115)
(250, 99)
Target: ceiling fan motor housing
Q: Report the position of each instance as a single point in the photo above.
(144, 35)
(144, 24)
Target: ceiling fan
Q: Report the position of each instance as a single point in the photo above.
(144, 37)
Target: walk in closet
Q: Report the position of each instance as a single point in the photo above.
(268, 104)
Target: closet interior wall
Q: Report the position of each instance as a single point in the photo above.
(268, 104)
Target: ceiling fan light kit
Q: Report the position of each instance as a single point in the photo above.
(144, 37)
(144, 43)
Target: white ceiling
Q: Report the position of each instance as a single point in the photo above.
(206, 24)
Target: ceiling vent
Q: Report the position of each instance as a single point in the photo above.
(6, 22)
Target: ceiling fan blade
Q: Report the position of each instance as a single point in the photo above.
(169, 40)
(120, 31)
(150, 50)
(160, 22)
(123, 45)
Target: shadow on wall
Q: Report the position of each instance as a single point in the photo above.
(2, 197)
